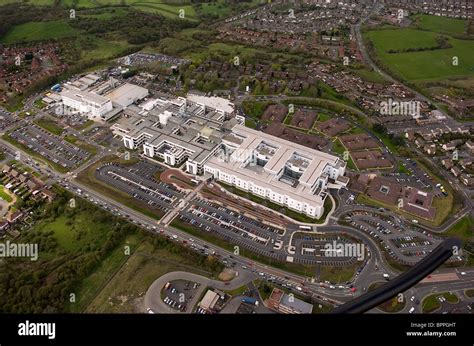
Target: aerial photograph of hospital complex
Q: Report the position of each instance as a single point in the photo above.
(237, 157)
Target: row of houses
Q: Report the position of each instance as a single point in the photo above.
(34, 185)
(455, 155)
(15, 180)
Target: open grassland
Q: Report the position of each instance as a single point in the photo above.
(124, 290)
(440, 24)
(192, 11)
(74, 233)
(463, 229)
(220, 9)
(434, 64)
(103, 49)
(170, 11)
(35, 31)
(395, 39)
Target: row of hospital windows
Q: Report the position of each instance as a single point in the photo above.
(261, 191)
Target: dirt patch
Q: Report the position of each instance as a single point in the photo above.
(227, 274)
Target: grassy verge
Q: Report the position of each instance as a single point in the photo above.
(403, 170)
(93, 284)
(50, 126)
(238, 291)
(338, 274)
(124, 291)
(431, 303)
(391, 305)
(463, 229)
(85, 125)
(339, 149)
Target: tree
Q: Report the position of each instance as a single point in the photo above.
(379, 128)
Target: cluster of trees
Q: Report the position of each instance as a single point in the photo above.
(135, 27)
(381, 129)
(15, 14)
(208, 263)
(44, 286)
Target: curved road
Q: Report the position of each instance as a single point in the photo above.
(402, 282)
(153, 299)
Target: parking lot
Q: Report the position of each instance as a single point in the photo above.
(138, 181)
(179, 293)
(417, 177)
(311, 249)
(100, 134)
(237, 229)
(50, 146)
(6, 119)
(401, 242)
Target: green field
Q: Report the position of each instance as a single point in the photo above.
(169, 11)
(79, 3)
(431, 303)
(93, 284)
(385, 40)
(32, 2)
(440, 24)
(124, 289)
(414, 66)
(226, 50)
(103, 49)
(74, 233)
(4, 195)
(338, 274)
(221, 8)
(35, 31)
(463, 229)
(104, 14)
(49, 125)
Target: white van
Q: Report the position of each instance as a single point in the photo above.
(411, 310)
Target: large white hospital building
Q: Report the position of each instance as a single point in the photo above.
(204, 135)
(283, 172)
